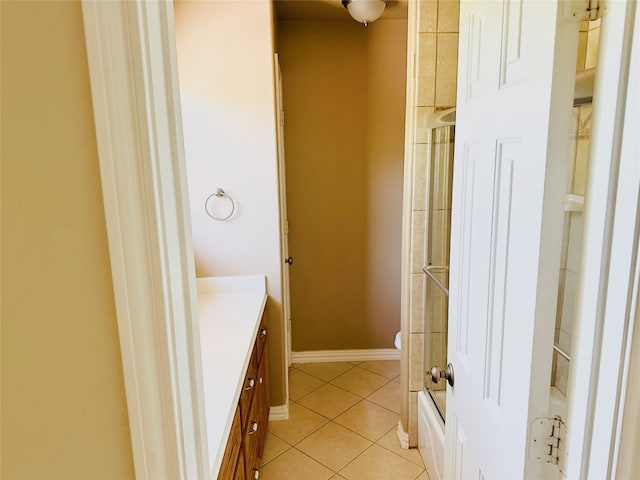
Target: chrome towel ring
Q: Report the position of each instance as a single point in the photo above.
(220, 194)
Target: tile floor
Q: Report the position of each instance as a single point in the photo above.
(342, 425)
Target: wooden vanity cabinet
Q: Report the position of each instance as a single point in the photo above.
(245, 445)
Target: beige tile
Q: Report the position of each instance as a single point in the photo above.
(416, 360)
(391, 443)
(562, 374)
(593, 43)
(368, 419)
(427, 15)
(420, 151)
(295, 365)
(442, 173)
(329, 400)
(397, 380)
(438, 356)
(333, 446)
(413, 419)
(301, 423)
(355, 363)
(337, 477)
(273, 446)
(448, 15)
(417, 300)
(446, 69)
(564, 341)
(436, 302)
(417, 241)
(360, 381)
(575, 242)
(569, 301)
(423, 476)
(326, 371)
(582, 51)
(426, 70)
(387, 368)
(301, 383)
(388, 397)
(582, 160)
(293, 465)
(421, 130)
(378, 463)
(439, 227)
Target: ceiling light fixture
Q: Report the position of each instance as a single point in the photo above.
(365, 11)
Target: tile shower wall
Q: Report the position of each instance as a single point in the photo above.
(436, 71)
(587, 58)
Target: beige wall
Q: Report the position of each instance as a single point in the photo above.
(225, 62)
(344, 100)
(64, 412)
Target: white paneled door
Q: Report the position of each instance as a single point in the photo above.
(515, 92)
(284, 222)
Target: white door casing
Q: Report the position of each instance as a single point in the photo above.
(134, 86)
(284, 221)
(515, 91)
(607, 292)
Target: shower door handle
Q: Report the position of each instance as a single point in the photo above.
(289, 260)
(437, 374)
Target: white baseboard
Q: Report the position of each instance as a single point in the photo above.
(317, 356)
(403, 437)
(279, 412)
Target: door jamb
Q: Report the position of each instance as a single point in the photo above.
(134, 84)
(607, 290)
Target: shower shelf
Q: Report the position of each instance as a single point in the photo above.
(428, 272)
(573, 202)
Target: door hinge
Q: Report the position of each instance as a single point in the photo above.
(583, 10)
(548, 441)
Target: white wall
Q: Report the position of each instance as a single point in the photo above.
(225, 62)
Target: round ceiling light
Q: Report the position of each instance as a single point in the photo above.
(365, 11)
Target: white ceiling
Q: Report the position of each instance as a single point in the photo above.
(330, 10)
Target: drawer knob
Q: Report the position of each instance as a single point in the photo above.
(263, 332)
(256, 474)
(250, 384)
(254, 428)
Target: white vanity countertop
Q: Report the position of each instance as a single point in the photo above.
(230, 309)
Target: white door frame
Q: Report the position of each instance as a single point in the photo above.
(608, 289)
(134, 84)
(284, 223)
(132, 64)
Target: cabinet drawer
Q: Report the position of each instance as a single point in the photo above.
(261, 339)
(249, 386)
(252, 439)
(262, 401)
(232, 450)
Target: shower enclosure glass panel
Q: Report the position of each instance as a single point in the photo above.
(438, 225)
(571, 248)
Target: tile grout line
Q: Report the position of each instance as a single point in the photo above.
(332, 420)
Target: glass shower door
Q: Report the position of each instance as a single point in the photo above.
(438, 225)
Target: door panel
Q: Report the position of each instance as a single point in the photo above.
(516, 73)
(284, 228)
